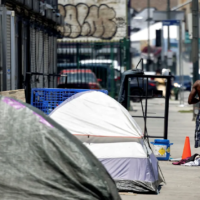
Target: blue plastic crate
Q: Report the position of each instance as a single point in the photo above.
(47, 99)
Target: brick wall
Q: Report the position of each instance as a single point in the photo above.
(158, 4)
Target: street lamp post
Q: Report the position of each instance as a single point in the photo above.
(195, 44)
(168, 27)
(148, 23)
(195, 39)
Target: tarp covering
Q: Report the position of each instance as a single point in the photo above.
(40, 160)
(94, 117)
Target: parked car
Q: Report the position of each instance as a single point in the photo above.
(102, 70)
(186, 82)
(78, 79)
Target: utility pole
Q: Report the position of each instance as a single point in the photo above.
(181, 65)
(148, 24)
(168, 27)
(129, 35)
(129, 63)
(195, 43)
(129, 18)
(195, 39)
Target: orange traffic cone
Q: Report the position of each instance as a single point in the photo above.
(186, 150)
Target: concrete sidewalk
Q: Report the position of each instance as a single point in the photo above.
(182, 182)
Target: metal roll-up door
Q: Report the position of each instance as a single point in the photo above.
(46, 55)
(1, 55)
(7, 52)
(33, 55)
(39, 58)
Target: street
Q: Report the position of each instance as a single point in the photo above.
(182, 181)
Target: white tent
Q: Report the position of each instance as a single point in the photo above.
(97, 118)
(113, 136)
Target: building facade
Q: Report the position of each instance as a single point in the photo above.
(157, 4)
(28, 43)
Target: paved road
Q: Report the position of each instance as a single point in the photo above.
(182, 182)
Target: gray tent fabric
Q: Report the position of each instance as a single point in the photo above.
(40, 160)
(135, 174)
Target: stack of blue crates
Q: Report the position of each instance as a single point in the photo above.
(47, 99)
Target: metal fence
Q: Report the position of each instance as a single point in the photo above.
(107, 60)
(28, 52)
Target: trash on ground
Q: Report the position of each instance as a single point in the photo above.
(190, 161)
(175, 159)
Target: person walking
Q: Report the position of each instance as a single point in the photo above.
(193, 99)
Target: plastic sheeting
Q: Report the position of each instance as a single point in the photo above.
(95, 117)
(40, 160)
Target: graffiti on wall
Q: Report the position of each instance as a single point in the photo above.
(96, 21)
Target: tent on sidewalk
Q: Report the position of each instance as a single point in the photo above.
(109, 131)
(42, 160)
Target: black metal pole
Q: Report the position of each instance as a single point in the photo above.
(195, 42)
(43, 54)
(129, 19)
(195, 38)
(129, 35)
(145, 116)
(168, 27)
(28, 67)
(28, 88)
(125, 102)
(148, 24)
(167, 108)
(66, 82)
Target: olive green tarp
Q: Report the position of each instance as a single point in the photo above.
(40, 160)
